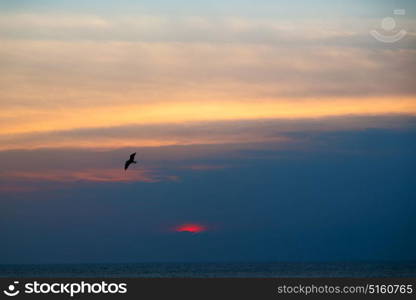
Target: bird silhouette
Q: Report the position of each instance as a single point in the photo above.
(130, 161)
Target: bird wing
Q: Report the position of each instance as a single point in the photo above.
(127, 164)
(132, 156)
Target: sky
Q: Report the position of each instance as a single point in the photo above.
(264, 131)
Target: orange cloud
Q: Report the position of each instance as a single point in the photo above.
(57, 84)
(225, 132)
(192, 111)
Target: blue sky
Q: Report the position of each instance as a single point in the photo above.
(260, 8)
(347, 197)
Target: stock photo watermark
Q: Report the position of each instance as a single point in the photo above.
(389, 32)
(12, 290)
(70, 289)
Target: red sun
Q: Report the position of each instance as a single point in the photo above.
(193, 228)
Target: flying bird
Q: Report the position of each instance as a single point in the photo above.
(130, 161)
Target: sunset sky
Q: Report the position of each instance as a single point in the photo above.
(264, 130)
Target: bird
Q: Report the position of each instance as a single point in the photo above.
(130, 161)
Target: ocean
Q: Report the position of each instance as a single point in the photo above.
(212, 270)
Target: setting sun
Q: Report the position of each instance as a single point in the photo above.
(193, 228)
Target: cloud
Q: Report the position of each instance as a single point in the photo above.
(92, 175)
(206, 167)
(13, 188)
(194, 58)
(17, 122)
(32, 180)
(56, 74)
(26, 171)
(190, 28)
(65, 73)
